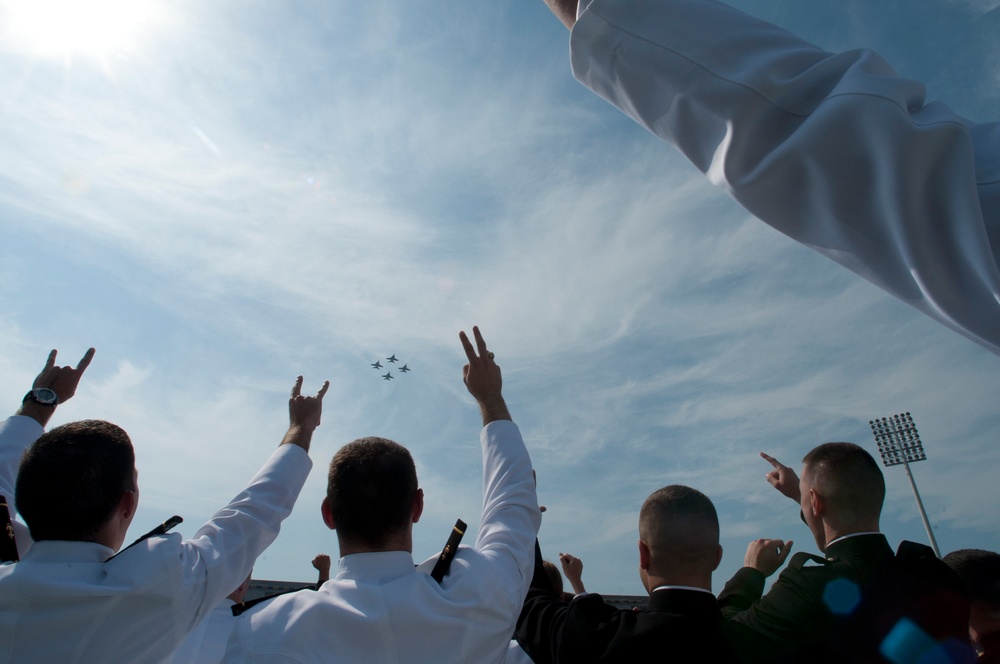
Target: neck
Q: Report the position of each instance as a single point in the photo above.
(692, 580)
(836, 532)
(401, 542)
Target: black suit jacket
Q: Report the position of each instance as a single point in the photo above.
(841, 608)
(679, 625)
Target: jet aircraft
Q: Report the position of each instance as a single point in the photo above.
(404, 368)
(391, 358)
(387, 376)
(377, 365)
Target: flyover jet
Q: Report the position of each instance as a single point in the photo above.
(377, 365)
(391, 358)
(404, 368)
(387, 376)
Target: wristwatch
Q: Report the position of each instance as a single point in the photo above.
(42, 395)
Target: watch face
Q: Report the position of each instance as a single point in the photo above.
(45, 395)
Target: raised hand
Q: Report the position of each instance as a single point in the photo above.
(572, 568)
(782, 478)
(482, 378)
(322, 564)
(304, 414)
(767, 555)
(61, 380)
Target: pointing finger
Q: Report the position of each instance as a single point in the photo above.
(771, 460)
(322, 390)
(297, 387)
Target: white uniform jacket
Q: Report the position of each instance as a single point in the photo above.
(379, 608)
(206, 644)
(834, 150)
(66, 602)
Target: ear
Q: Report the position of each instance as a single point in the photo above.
(718, 558)
(644, 555)
(327, 514)
(816, 503)
(127, 505)
(418, 505)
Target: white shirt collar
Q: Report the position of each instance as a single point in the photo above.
(840, 539)
(701, 590)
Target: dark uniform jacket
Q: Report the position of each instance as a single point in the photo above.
(676, 625)
(845, 607)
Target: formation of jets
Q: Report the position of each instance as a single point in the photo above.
(377, 364)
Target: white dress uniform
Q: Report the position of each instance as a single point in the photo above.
(66, 602)
(380, 609)
(834, 150)
(206, 644)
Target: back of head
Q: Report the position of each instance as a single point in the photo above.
(980, 571)
(680, 525)
(849, 479)
(370, 488)
(72, 478)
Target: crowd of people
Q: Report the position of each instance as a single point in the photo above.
(913, 206)
(70, 592)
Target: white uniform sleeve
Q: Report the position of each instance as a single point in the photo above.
(223, 551)
(511, 516)
(834, 150)
(17, 433)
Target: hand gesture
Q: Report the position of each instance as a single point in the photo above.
(482, 378)
(782, 478)
(306, 412)
(62, 380)
(322, 564)
(767, 555)
(572, 568)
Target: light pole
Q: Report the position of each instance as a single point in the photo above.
(899, 443)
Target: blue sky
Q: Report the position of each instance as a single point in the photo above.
(233, 193)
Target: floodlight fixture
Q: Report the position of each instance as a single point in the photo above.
(899, 444)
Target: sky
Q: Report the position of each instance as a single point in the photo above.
(221, 196)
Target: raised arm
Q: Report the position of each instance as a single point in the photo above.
(223, 551)
(835, 150)
(510, 516)
(53, 385)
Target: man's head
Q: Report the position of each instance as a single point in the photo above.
(678, 538)
(980, 570)
(842, 491)
(78, 482)
(372, 498)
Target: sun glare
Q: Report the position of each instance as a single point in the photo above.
(69, 27)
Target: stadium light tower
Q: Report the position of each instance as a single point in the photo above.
(899, 443)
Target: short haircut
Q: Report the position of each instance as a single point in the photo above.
(849, 479)
(72, 478)
(680, 524)
(370, 489)
(980, 571)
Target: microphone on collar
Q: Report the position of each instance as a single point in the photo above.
(443, 563)
(159, 530)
